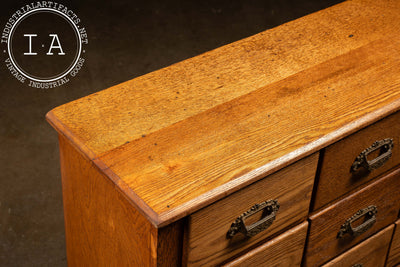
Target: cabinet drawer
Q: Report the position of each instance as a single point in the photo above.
(206, 239)
(285, 250)
(394, 253)
(324, 241)
(370, 253)
(336, 177)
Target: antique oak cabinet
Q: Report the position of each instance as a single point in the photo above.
(281, 148)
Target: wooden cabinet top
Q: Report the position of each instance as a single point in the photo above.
(177, 139)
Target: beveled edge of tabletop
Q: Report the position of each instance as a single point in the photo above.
(164, 218)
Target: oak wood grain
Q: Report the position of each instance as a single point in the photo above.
(292, 187)
(335, 178)
(284, 250)
(108, 119)
(102, 228)
(190, 164)
(170, 244)
(323, 244)
(394, 253)
(211, 136)
(370, 253)
(178, 139)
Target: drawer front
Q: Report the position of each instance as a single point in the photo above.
(206, 238)
(284, 250)
(394, 253)
(370, 253)
(336, 177)
(324, 241)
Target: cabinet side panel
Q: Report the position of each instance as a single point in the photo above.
(102, 228)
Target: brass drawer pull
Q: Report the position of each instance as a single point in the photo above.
(385, 146)
(369, 215)
(269, 209)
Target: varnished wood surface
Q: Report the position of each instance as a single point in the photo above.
(198, 138)
(108, 119)
(194, 162)
(292, 187)
(370, 253)
(394, 253)
(284, 250)
(169, 244)
(101, 227)
(335, 178)
(323, 244)
(209, 126)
